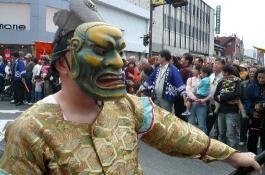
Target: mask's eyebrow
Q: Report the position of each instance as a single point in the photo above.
(103, 40)
(121, 44)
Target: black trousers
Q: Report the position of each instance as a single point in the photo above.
(28, 94)
(179, 108)
(2, 84)
(244, 124)
(18, 91)
(212, 121)
(256, 130)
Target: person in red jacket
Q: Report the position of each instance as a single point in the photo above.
(132, 76)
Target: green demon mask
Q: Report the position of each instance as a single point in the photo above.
(97, 50)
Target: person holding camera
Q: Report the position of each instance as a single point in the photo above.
(255, 106)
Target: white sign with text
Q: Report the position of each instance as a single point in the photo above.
(14, 16)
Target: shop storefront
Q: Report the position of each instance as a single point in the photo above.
(23, 22)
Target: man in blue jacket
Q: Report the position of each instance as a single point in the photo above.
(165, 83)
(18, 76)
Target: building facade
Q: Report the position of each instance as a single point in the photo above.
(186, 29)
(260, 55)
(132, 19)
(233, 47)
(181, 30)
(22, 22)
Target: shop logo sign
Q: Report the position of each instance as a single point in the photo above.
(12, 27)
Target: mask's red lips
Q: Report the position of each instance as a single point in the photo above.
(110, 81)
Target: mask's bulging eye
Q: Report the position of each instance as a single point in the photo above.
(121, 53)
(100, 51)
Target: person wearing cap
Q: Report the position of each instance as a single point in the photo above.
(2, 75)
(92, 125)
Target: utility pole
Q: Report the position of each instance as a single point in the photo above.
(163, 35)
(151, 28)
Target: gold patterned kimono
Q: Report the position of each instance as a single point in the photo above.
(41, 141)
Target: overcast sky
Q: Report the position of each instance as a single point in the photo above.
(243, 17)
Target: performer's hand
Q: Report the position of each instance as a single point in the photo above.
(244, 160)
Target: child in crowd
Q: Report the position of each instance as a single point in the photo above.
(228, 86)
(38, 88)
(202, 90)
(199, 107)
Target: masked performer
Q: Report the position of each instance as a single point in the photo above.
(91, 125)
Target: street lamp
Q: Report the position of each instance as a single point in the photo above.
(153, 5)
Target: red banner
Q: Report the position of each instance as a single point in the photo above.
(7, 54)
(43, 48)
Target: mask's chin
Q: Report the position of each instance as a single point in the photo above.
(107, 86)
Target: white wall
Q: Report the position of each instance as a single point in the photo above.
(15, 13)
(133, 25)
(50, 27)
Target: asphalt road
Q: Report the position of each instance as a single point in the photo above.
(152, 161)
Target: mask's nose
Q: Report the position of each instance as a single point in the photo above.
(116, 61)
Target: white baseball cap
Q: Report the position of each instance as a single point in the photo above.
(28, 55)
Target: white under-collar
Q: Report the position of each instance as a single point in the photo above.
(165, 66)
(49, 99)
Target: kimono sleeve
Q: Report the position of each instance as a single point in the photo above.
(21, 68)
(178, 81)
(143, 109)
(18, 157)
(172, 136)
(149, 83)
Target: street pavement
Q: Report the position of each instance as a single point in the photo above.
(152, 161)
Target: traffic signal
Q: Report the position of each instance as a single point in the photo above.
(179, 3)
(146, 39)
